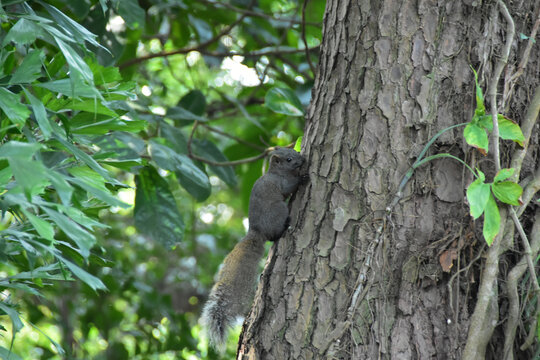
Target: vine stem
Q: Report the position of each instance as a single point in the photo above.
(501, 63)
(534, 280)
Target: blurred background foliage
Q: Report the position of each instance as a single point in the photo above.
(113, 115)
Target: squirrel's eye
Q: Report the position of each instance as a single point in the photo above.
(289, 159)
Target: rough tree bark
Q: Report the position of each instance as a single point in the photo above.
(360, 273)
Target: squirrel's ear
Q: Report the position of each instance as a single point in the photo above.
(274, 159)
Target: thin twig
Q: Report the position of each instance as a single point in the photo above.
(240, 140)
(224, 163)
(252, 13)
(185, 51)
(308, 57)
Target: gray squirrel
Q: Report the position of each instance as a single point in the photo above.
(268, 216)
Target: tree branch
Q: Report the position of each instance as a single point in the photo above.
(187, 50)
(224, 163)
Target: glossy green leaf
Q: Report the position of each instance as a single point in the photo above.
(210, 151)
(31, 175)
(284, 101)
(40, 114)
(156, 213)
(509, 130)
(70, 88)
(88, 160)
(190, 176)
(298, 144)
(74, 231)
(131, 12)
(485, 121)
(476, 137)
(480, 107)
(508, 192)
(194, 101)
(6, 354)
(49, 272)
(183, 115)
(89, 279)
(175, 137)
(44, 228)
(63, 189)
(94, 184)
(492, 220)
(76, 62)
(11, 105)
(76, 31)
(19, 149)
(477, 195)
(503, 174)
(93, 106)
(30, 68)
(23, 32)
(13, 315)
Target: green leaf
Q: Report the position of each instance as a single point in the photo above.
(298, 144)
(6, 354)
(40, 114)
(49, 272)
(93, 106)
(492, 220)
(183, 115)
(509, 130)
(476, 137)
(193, 179)
(156, 213)
(94, 184)
(19, 149)
(30, 68)
(63, 189)
(13, 315)
(89, 279)
(210, 151)
(503, 174)
(477, 195)
(11, 104)
(31, 175)
(508, 192)
(23, 32)
(480, 107)
(71, 88)
(485, 121)
(44, 229)
(76, 63)
(175, 137)
(88, 160)
(284, 101)
(76, 31)
(131, 12)
(74, 231)
(194, 102)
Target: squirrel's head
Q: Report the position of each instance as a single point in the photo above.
(285, 158)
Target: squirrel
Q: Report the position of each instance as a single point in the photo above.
(268, 215)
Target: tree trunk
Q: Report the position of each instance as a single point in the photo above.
(371, 270)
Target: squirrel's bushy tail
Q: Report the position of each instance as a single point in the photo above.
(217, 318)
(233, 292)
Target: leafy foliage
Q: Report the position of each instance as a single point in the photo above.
(96, 103)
